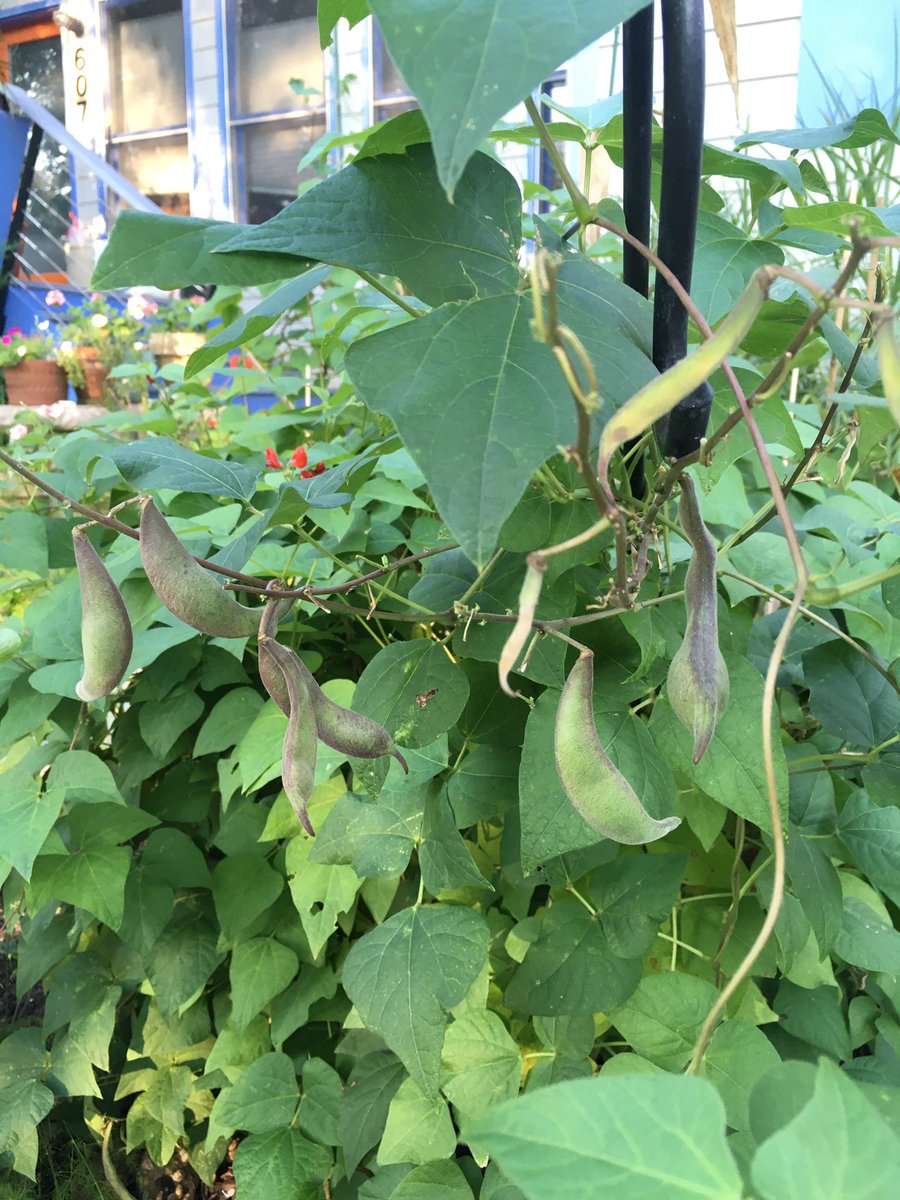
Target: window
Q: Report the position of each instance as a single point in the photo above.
(149, 107)
(390, 92)
(278, 103)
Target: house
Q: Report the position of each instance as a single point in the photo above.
(207, 106)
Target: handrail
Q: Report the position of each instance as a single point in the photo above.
(99, 166)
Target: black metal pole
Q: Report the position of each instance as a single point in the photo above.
(684, 66)
(637, 128)
(18, 218)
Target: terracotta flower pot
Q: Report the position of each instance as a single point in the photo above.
(174, 347)
(95, 373)
(34, 382)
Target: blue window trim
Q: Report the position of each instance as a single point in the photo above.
(223, 96)
(10, 15)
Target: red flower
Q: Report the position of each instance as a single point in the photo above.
(211, 422)
(249, 364)
(234, 360)
(299, 458)
(317, 470)
(272, 458)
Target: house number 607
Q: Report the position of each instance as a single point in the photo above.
(81, 83)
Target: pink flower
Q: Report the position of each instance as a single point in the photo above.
(6, 339)
(55, 298)
(17, 431)
(150, 307)
(15, 329)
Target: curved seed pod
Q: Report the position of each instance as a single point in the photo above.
(298, 754)
(698, 678)
(889, 362)
(528, 598)
(340, 728)
(106, 638)
(186, 588)
(596, 788)
(269, 672)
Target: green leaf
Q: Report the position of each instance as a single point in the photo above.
(662, 1019)
(376, 840)
(413, 690)
(481, 1064)
(837, 1146)
(866, 940)
(156, 250)
(418, 1128)
(484, 784)
(396, 220)
(851, 699)
(364, 1105)
(868, 126)
(260, 969)
(156, 1119)
(634, 894)
(329, 12)
(817, 887)
(834, 216)
(468, 65)
(732, 769)
(281, 1165)
(93, 879)
(637, 1136)
(265, 1097)
(320, 1106)
(433, 1181)
(162, 724)
(444, 860)
(23, 1105)
(255, 321)
(320, 893)
(454, 379)
(724, 260)
(182, 960)
(571, 968)
(243, 888)
(27, 814)
(23, 542)
(159, 463)
(872, 836)
(406, 974)
(813, 1015)
(228, 720)
(738, 1055)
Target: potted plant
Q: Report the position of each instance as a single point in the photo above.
(96, 337)
(31, 374)
(173, 335)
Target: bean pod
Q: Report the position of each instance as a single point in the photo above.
(298, 754)
(184, 587)
(106, 637)
(698, 678)
(595, 787)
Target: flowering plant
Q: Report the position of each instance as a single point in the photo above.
(299, 461)
(16, 347)
(85, 233)
(173, 315)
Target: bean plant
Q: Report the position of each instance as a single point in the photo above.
(394, 803)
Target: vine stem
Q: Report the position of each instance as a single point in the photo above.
(375, 282)
(109, 1167)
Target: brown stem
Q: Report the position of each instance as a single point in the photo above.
(730, 922)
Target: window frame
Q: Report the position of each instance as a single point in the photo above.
(238, 122)
(383, 108)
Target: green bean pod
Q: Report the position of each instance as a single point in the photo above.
(528, 599)
(595, 787)
(341, 728)
(184, 587)
(889, 361)
(298, 754)
(698, 678)
(106, 637)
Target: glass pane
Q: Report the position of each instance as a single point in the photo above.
(271, 153)
(388, 80)
(392, 107)
(37, 67)
(159, 168)
(146, 66)
(277, 41)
